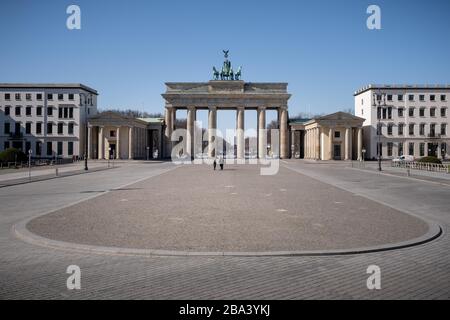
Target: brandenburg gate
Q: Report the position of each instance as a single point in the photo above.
(227, 92)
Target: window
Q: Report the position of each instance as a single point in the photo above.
(60, 96)
(7, 96)
(60, 148)
(422, 129)
(39, 96)
(39, 111)
(390, 146)
(66, 113)
(28, 96)
(389, 97)
(432, 97)
(422, 149)
(112, 133)
(39, 128)
(389, 112)
(384, 113)
(7, 110)
(49, 96)
(422, 97)
(38, 148)
(7, 128)
(411, 129)
(400, 97)
(400, 149)
(400, 129)
(18, 96)
(422, 112)
(443, 148)
(6, 145)
(379, 129)
(70, 128)
(389, 129)
(432, 112)
(60, 113)
(60, 128)
(337, 134)
(28, 111)
(17, 128)
(18, 111)
(49, 128)
(411, 112)
(411, 149)
(443, 112)
(28, 128)
(70, 96)
(49, 149)
(378, 113)
(443, 129)
(50, 111)
(443, 97)
(432, 130)
(70, 148)
(71, 113)
(411, 97)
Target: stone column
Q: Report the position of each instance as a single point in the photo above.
(190, 132)
(284, 148)
(130, 143)
(307, 144)
(330, 143)
(118, 143)
(359, 144)
(292, 144)
(89, 142)
(101, 148)
(261, 133)
(212, 127)
(347, 148)
(318, 143)
(240, 138)
(168, 131)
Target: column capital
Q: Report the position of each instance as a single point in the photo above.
(283, 108)
(212, 108)
(191, 108)
(240, 108)
(262, 108)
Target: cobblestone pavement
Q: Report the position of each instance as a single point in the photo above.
(33, 272)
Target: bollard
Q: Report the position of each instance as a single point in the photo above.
(56, 172)
(408, 172)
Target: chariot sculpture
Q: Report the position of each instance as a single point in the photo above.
(227, 72)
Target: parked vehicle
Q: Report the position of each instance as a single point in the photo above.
(404, 158)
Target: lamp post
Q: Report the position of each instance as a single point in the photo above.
(29, 163)
(379, 101)
(86, 134)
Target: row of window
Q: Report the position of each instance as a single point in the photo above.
(29, 96)
(49, 147)
(17, 128)
(412, 97)
(386, 113)
(63, 112)
(432, 148)
(411, 129)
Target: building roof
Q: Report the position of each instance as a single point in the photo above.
(299, 121)
(402, 87)
(48, 86)
(152, 120)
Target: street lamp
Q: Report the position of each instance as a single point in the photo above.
(379, 101)
(86, 132)
(29, 163)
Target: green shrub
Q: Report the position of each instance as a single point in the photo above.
(9, 155)
(430, 160)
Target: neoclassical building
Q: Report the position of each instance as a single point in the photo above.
(116, 136)
(336, 136)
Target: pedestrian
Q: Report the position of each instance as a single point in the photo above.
(221, 162)
(214, 164)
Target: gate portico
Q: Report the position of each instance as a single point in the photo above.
(229, 94)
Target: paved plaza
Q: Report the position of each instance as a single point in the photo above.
(307, 206)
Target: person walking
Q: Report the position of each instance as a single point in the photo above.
(221, 162)
(214, 164)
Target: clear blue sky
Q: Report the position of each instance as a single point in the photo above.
(128, 49)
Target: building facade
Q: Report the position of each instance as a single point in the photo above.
(404, 120)
(115, 136)
(48, 119)
(336, 136)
